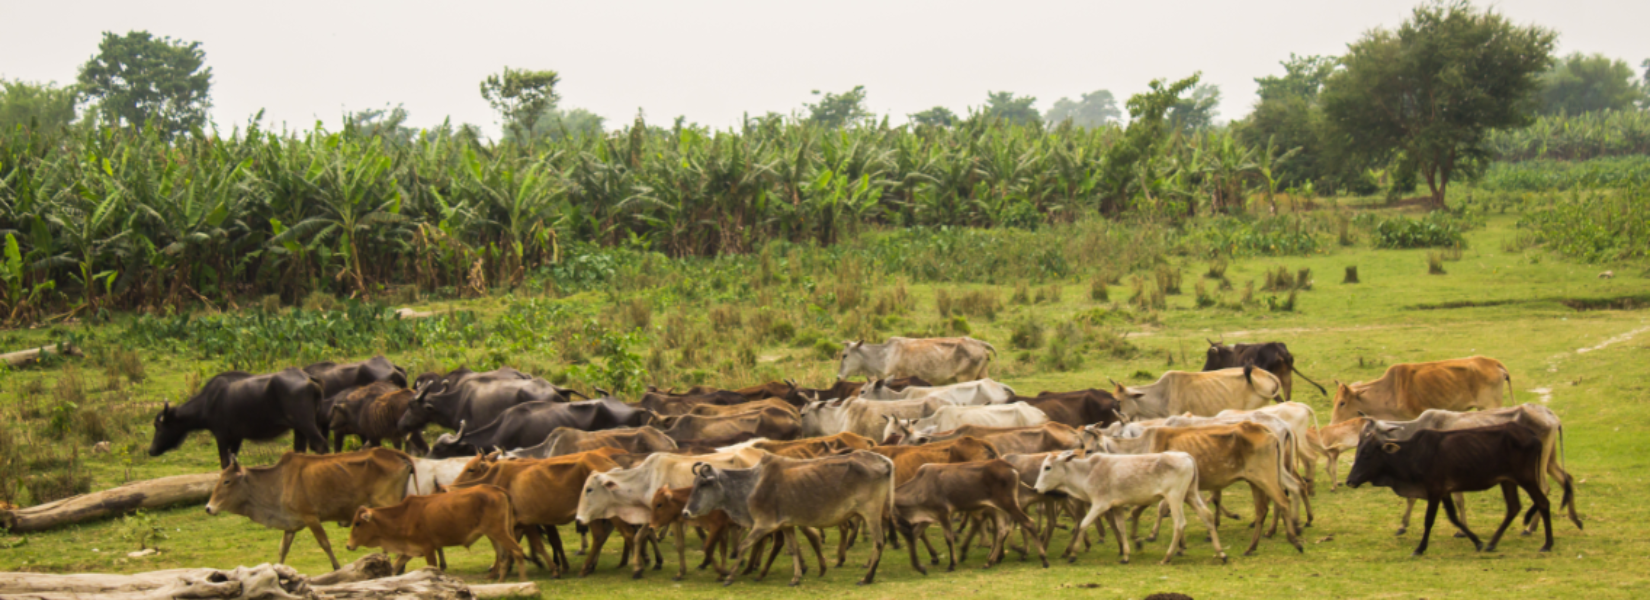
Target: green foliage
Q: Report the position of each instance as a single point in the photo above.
(1197, 111)
(1027, 334)
(1093, 109)
(36, 105)
(139, 81)
(1289, 118)
(620, 368)
(1595, 227)
(1557, 175)
(1581, 83)
(1270, 236)
(555, 124)
(1575, 137)
(1145, 132)
(1303, 77)
(521, 97)
(938, 116)
(834, 111)
(1430, 91)
(1011, 109)
(1432, 231)
(141, 530)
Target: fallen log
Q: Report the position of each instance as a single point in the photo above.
(371, 566)
(262, 581)
(24, 357)
(408, 313)
(152, 493)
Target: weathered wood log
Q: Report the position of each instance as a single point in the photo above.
(153, 493)
(371, 566)
(23, 357)
(360, 580)
(408, 313)
(524, 589)
(423, 584)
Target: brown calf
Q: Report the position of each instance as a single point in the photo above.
(423, 525)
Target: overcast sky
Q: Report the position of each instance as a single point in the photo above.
(303, 60)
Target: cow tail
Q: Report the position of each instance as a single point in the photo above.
(1308, 379)
(1505, 374)
(412, 471)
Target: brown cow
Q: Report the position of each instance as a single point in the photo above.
(422, 525)
(671, 405)
(545, 492)
(1409, 389)
(668, 504)
(569, 440)
(908, 458)
(721, 410)
(771, 423)
(1077, 409)
(939, 490)
(304, 490)
(373, 413)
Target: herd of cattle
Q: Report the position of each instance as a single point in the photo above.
(927, 439)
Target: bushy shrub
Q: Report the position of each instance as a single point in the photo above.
(1596, 227)
(1435, 230)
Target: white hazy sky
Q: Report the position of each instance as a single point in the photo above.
(303, 60)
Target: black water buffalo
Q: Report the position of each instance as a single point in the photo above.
(238, 406)
(1272, 357)
(474, 397)
(336, 378)
(530, 423)
(671, 405)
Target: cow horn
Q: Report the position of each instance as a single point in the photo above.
(461, 424)
(1212, 343)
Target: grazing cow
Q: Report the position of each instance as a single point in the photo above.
(1273, 357)
(1539, 419)
(469, 397)
(947, 418)
(430, 474)
(863, 417)
(1225, 454)
(816, 447)
(1111, 482)
(1077, 409)
(336, 378)
(625, 494)
(972, 393)
(423, 525)
(1048, 437)
(1202, 394)
(800, 396)
(1406, 390)
(375, 417)
(529, 424)
(939, 490)
(779, 493)
(1336, 439)
(238, 406)
(303, 490)
(570, 440)
(671, 405)
(939, 360)
(1434, 464)
(907, 459)
(544, 492)
(769, 422)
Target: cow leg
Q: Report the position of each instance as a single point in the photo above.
(658, 559)
(1409, 507)
(757, 533)
(1426, 534)
(558, 553)
(1544, 506)
(1177, 510)
(1330, 462)
(1123, 547)
(816, 540)
(1509, 492)
(796, 556)
(536, 543)
(911, 544)
(1461, 505)
(639, 544)
(752, 565)
(1221, 509)
(286, 544)
(681, 551)
(778, 539)
(1261, 506)
(1157, 527)
(1281, 500)
(321, 538)
(1450, 511)
(400, 565)
(1204, 514)
(874, 526)
(584, 536)
(307, 431)
(441, 555)
(950, 541)
(599, 531)
(1004, 528)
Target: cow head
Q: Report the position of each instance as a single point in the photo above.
(364, 530)
(853, 359)
(597, 497)
(1128, 400)
(232, 491)
(1349, 403)
(420, 411)
(1056, 473)
(338, 419)
(452, 444)
(170, 431)
(708, 491)
(1220, 356)
(667, 506)
(1377, 461)
(896, 430)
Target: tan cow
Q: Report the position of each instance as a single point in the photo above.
(422, 525)
(1225, 454)
(817, 447)
(947, 418)
(1336, 439)
(304, 490)
(544, 492)
(940, 490)
(1048, 437)
(568, 440)
(938, 361)
(1406, 390)
(1203, 394)
(867, 418)
(1109, 483)
(971, 393)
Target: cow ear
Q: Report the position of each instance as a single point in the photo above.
(1390, 448)
(610, 484)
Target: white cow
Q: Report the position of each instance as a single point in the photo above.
(947, 418)
(1110, 482)
(863, 417)
(935, 360)
(971, 393)
(428, 473)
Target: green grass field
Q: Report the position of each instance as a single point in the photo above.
(1589, 365)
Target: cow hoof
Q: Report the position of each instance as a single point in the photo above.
(579, 553)
(1223, 559)
(795, 583)
(923, 571)
(1489, 549)
(1546, 550)
(1416, 554)
(676, 578)
(951, 569)
(1459, 535)
(1071, 560)
(1123, 561)
(1401, 530)
(1526, 533)
(932, 561)
(1248, 552)
(1151, 538)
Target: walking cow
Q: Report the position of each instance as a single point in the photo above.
(1273, 357)
(237, 406)
(1406, 390)
(937, 360)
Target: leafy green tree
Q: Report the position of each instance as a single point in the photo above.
(1197, 111)
(1013, 109)
(42, 105)
(1431, 91)
(938, 116)
(839, 110)
(1580, 83)
(1145, 134)
(1289, 117)
(1302, 77)
(387, 123)
(1093, 109)
(556, 124)
(520, 96)
(140, 80)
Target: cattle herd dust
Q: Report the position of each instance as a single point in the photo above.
(923, 439)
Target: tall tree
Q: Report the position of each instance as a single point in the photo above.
(556, 124)
(42, 105)
(938, 116)
(839, 110)
(1093, 109)
(1580, 83)
(1145, 134)
(1288, 115)
(1013, 109)
(1197, 111)
(520, 96)
(1302, 77)
(140, 80)
(1429, 92)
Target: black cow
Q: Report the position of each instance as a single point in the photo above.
(238, 406)
(1078, 408)
(529, 424)
(669, 404)
(469, 396)
(1273, 357)
(1436, 463)
(336, 378)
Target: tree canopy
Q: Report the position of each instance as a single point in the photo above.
(1581, 83)
(1145, 133)
(1198, 110)
(1093, 109)
(938, 116)
(1302, 77)
(839, 110)
(41, 105)
(140, 80)
(1429, 92)
(520, 97)
(1011, 108)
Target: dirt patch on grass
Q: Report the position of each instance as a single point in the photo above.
(1628, 302)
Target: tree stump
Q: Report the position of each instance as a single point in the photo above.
(1351, 275)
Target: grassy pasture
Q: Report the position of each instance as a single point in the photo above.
(1589, 365)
